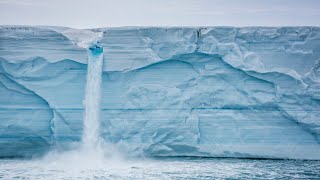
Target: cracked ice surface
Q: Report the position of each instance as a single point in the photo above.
(214, 92)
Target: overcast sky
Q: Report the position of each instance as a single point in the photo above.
(107, 13)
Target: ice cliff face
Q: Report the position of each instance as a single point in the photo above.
(213, 92)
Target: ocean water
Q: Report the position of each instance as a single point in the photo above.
(167, 168)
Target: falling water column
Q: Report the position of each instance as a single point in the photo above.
(91, 123)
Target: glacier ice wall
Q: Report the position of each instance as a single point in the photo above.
(213, 92)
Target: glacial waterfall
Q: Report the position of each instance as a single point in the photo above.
(92, 101)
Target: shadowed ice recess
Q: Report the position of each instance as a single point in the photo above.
(250, 92)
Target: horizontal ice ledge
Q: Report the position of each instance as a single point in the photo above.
(212, 91)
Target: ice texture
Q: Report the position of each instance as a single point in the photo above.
(250, 92)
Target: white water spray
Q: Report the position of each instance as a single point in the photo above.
(91, 124)
(93, 153)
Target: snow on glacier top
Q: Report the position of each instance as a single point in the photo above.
(80, 37)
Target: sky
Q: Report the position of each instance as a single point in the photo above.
(114, 13)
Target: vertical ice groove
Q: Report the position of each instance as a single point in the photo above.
(91, 124)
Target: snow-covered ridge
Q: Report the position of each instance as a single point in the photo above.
(193, 91)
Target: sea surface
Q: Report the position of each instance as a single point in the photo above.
(168, 168)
